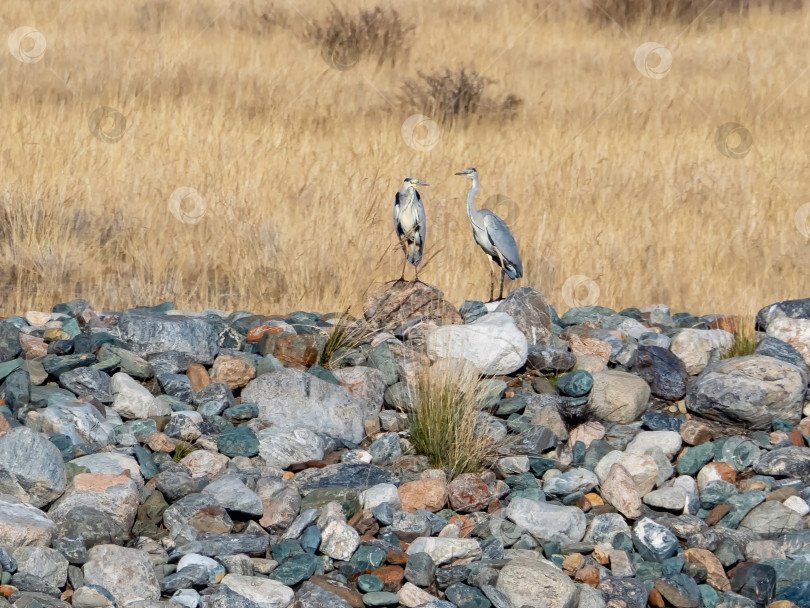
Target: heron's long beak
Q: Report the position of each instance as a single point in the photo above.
(422, 184)
(461, 173)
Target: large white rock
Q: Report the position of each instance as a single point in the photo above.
(619, 396)
(133, 400)
(444, 550)
(641, 467)
(380, 493)
(493, 344)
(128, 574)
(694, 347)
(339, 540)
(82, 422)
(263, 592)
(283, 449)
(367, 386)
(668, 441)
(795, 332)
(291, 399)
(530, 580)
(23, 525)
(548, 521)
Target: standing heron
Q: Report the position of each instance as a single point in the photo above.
(409, 222)
(493, 236)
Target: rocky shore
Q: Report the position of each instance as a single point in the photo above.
(155, 457)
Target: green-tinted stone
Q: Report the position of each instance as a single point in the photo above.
(243, 411)
(65, 445)
(368, 557)
(5, 579)
(145, 461)
(540, 465)
(347, 497)
(107, 365)
(129, 363)
(709, 596)
(9, 366)
(692, 459)
(324, 374)
(238, 441)
(535, 494)
(71, 470)
(518, 423)
(71, 327)
(268, 364)
(575, 384)
(296, 569)
(164, 307)
(572, 499)
(286, 549)
(780, 424)
(672, 565)
(524, 481)
(56, 365)
(381, 598)
(788, 572)
(311, 539)
(381, 358)
(623, 542)
(740, 505)
(595, 452)
(717, 492)
(648, 571)
(368, 583)
(551, 548)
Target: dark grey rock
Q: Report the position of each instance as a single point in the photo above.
(151, 333)
(31, 467)
(212, 545)
(358, 476)
(88, 382)
(790, 461)
(776, 348)
(385, 449)
(662, 370)
(653, 541)
(420, 570)
(757, 582)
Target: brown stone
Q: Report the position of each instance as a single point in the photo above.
(673, 596)
(589, 575)
(391, 576)
(198, 376)
(33, 346)
(299, 350)
(781, 494)
(468, 493)
(572, 563)
(465, 525)
(7, 590)
(796, 438)
(160, 442)
(583, 504)
(394, 304)
(716, 471)
(716, 576)
(594, 499)
(730, 324)
(619, 490)
(99, 482)
(365, 523)
(235, 371)
(586, 345)
(655, 599)
(429, 492)
(255, 333)
(398, 558)
(716, 514)
(601, 556)
(350, 596)
(781, 604)
(694, 432)
(746, 485)
(5, 427)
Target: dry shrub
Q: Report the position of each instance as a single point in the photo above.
(445, 410)
(450, 95)
(630, 11)
(745, 338)
(379, 33)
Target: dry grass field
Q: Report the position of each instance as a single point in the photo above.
(294, 143)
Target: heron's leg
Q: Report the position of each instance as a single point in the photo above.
(491, 280)
(503, 274)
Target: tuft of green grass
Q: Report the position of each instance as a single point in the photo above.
(443, 417)
(745, 339)
(344, 336)
(181, 450)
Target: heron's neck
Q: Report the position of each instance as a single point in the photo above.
(407, 194)
(471, 210)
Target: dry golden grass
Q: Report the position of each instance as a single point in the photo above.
(601, 172)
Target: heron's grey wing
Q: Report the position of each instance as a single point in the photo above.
(422, 228)
(501, 238)
(397, 209)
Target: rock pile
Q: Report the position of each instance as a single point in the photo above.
(155, 457)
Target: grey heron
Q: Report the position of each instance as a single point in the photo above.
(409, 222)
(493, 236)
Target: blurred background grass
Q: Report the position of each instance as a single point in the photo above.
(287, 118)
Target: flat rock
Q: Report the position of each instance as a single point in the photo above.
(530, 310)
(291, 399)
(149, 333)
(31, 467)
(771, 519)
(493, 344)
(281, 449)
(357, 476)
(695, 347)
(231, 492)
(82, 422)
(444, 550)
(128, 574)
(547, 521)
(395, 305)
(750, 390)
(791, 461)
(533, 581)
(133, 400)
(262, 592)
(111, 463)
(22, 524)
